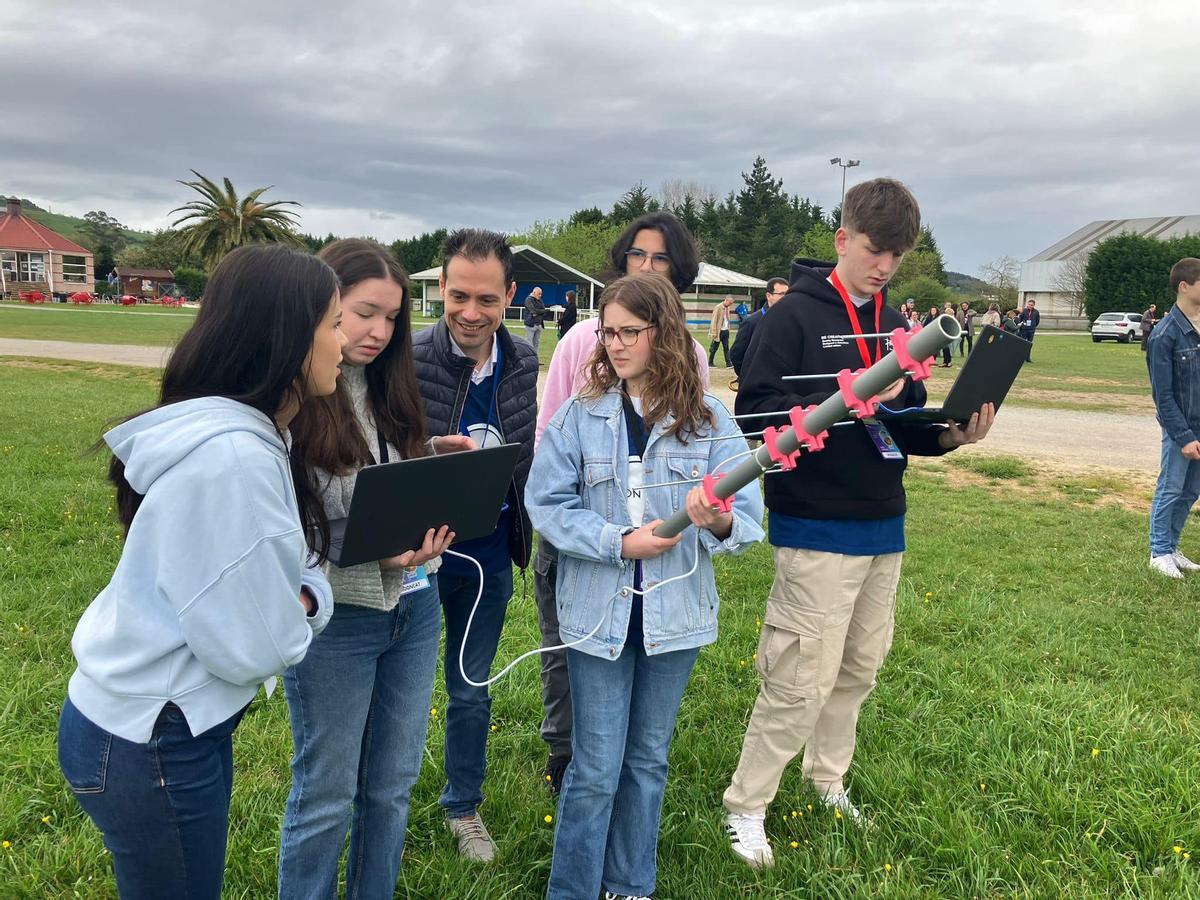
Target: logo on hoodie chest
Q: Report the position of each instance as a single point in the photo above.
(838, 341)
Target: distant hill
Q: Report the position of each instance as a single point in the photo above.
(966, 284)
(75, 228)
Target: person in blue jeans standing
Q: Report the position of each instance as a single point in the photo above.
(359, 701)
(616, 460)
(1173, 355)
(477, 381)
(214, 593)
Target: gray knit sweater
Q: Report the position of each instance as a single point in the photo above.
(368, 584)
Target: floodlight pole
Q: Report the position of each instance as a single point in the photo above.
(847, 164)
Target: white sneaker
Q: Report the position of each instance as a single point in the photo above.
(609, 895)
(474, 842)
(839, 802)
(749, 840)
(1183, 563)
(1166, 565)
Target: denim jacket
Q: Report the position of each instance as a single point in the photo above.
(1173, 355)
(576, 498)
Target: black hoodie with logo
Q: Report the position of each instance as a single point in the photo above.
(848, 479)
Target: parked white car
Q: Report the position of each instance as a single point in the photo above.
(1122, 327)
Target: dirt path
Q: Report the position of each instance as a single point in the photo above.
(120, 354)
(1063, 439)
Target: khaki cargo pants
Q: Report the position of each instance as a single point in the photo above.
(826, 631)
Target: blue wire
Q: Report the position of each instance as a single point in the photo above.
(896, 412)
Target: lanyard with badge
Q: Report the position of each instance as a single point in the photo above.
(415, 578)
(876, 430)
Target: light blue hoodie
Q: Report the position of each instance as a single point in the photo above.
(204, 603)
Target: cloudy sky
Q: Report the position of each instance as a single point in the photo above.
(1014, 122)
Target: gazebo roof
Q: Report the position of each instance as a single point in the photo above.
(19, 232)
(529, 264)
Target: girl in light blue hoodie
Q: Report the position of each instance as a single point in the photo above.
(215, 591)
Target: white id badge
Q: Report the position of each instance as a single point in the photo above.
(415, 579)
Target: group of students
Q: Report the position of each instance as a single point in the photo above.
(298, 372)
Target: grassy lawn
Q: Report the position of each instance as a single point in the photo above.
(1034, 732)
(1069, 370)
(150, 326)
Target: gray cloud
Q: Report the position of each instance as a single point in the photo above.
(1014, 122)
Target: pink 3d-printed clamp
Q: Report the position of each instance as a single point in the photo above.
(787, 461)
(845, 381)
(917, 369)
(724, 504)
(804, 437)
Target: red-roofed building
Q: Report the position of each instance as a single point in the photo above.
(35, 258)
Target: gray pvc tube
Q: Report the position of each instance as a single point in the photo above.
(939, 333)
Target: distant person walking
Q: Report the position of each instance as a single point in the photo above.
(1027, 324)
(718, 330)
(535, 316)
(1149, 320)
(569, 317)
(966, 321)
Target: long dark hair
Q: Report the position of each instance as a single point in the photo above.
(326, 432)
(673, 386)
(249, 343)
(681, 247)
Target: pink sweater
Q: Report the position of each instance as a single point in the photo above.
(566, 376)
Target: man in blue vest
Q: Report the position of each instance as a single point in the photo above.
(476, 380)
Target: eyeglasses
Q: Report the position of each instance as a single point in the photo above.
(778, 293)
(635, 258)
(627, 336)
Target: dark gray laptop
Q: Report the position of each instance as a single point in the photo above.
(986, 377)
(395, 504)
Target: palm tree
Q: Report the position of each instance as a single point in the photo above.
(221, 222)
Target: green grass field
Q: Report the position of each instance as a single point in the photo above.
(1068, 370)
(1034, 732)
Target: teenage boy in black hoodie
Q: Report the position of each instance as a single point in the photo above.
(837, 521)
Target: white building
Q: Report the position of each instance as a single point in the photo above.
(1053, 275)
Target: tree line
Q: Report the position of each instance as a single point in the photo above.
(757, 229)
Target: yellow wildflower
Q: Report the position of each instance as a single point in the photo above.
(1176, 849)
(1095, 752)
(795, 844)
(887, 867)
(433, 712)
(548, 819)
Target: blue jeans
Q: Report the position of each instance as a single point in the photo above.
(359, 706)
(611, 800)
(1177, 490)
(470, 708)
(162, 806)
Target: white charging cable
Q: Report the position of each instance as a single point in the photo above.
(479, 596)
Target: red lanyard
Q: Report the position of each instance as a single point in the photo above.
(852, 313)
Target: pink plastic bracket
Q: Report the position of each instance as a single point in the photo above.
(814, 442)
(908, 363)
(863, 408)
(787, 461)
(724, 504)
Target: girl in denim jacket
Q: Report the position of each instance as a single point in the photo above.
(636, 608)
